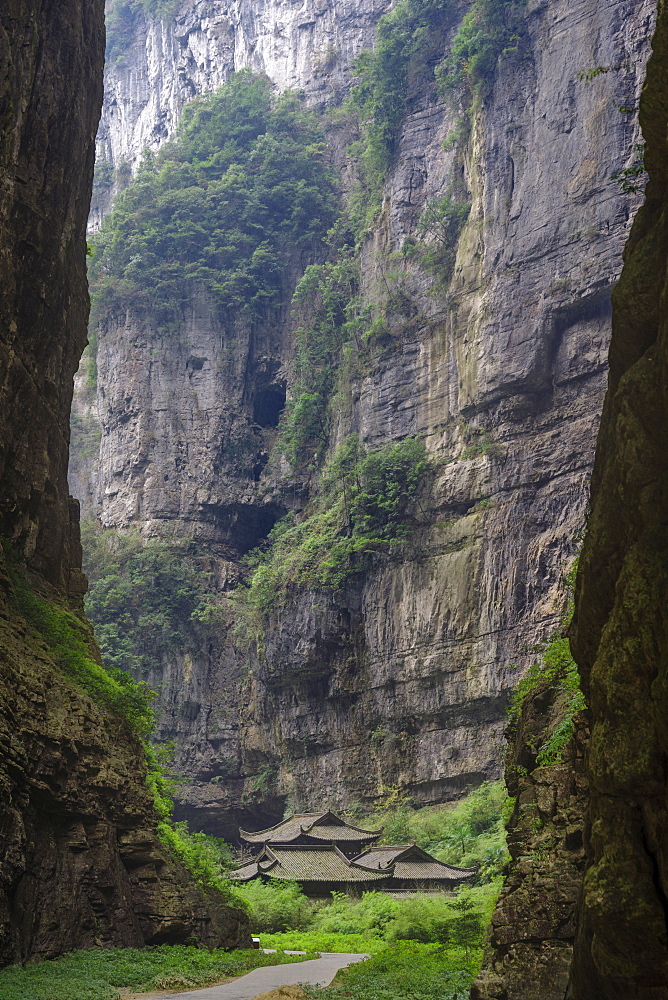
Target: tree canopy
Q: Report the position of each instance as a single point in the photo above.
(242, 192)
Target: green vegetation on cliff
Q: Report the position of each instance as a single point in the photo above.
(329, 307)
(410, 40)
(490, 28)
(555, 669)
(365, 506)
(123, 17)
(240, 197)
(144, 597)
(70, 643)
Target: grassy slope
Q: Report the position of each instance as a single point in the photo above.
(99, 974)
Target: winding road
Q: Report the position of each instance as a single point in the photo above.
(317, 972)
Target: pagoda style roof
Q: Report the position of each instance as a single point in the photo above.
(408, 861)
(326, 827)
(306, 864)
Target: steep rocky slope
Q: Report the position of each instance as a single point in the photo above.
(529, 951)
(502, 376)
(80, 862)
(607, 931)
(619, 633)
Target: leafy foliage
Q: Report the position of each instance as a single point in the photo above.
(407, 39)
(206, 858)
(362, 509)
(240, 193)
(406, 970)
(99, 974)
(142, 596)
(276, 906)
(69, 642)
(490, 28)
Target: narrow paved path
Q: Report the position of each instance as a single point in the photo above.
(317, 971)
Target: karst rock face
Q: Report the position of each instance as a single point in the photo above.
(607, 889)
(503, 378)
(619, 633)
(80, 862)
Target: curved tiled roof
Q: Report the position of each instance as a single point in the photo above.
(313, 864)
(244, 874)
(411, 862)
(325, 826)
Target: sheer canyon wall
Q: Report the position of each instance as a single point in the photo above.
(80, 861)
(502, 375)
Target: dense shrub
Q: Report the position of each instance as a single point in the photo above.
(206, 858)
(362, 509)
(237, 198)
(276, 906)
(144, 597)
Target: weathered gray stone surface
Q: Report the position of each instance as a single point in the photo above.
(420, 651)
(80, 860)
(306, 45)
(619, 633)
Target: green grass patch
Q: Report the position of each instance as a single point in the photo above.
(99, 974)
(410, 970)
(69, 642)
(312, 940)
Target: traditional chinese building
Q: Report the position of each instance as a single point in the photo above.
(410, 869)
(313, 830)
(319, 870)
(323, 854)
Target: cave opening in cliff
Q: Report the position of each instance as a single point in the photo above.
(268, 404)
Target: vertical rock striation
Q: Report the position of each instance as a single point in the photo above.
(619, 634)
(51, 90)
(80, 862)
(502, 377)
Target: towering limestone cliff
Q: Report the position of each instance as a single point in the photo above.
(80, 861)
(398, 681)
(618, 635)
(619, 632)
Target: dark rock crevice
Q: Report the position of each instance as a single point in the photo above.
(81, 863)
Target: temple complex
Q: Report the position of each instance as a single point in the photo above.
(323, 853)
